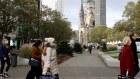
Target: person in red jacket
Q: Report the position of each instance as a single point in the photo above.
(126, 60)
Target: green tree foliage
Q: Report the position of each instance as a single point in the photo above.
(110, 33)
(78, 48)
(7, 17)
(137, 17)
(124, 26)
(64, 48)
(97, 33)
(23, 17)
(129, 10)
(26, 11)
(129, 14)
(129, 23)
(53, 25)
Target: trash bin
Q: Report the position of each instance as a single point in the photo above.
(14, 59)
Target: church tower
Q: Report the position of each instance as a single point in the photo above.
(87, 21)
(82, 24)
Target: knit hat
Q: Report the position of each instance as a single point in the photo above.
(50, 40)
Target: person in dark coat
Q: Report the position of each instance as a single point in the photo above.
(6, 60)
(133, 37)
(126, 60)
(3, 58)
(90, 49)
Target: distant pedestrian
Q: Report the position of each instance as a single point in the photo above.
(90, 49)
(126, 60)
(35, 71)
(133, 37)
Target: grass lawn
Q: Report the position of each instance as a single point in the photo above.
(114, 54)
(139, 55)
(114, 57)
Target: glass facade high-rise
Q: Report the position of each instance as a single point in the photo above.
(59, 6)
(54, 5)
(100, 12)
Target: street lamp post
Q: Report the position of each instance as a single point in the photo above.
(38, 3)
(38, 31)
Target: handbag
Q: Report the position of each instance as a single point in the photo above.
(34, 62)
(47, 77)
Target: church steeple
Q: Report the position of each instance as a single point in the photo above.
(82, 8)
(82, 5)
(82, 13)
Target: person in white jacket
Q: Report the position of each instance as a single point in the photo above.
(50, 59)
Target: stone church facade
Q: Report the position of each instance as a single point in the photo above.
(89, 19)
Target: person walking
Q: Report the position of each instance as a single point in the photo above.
(6, 59)
(90, 49)
(35, 71)
(133, 37)
(126, 60)
(2, 57)
(50, 61)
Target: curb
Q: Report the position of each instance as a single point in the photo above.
(108, 60)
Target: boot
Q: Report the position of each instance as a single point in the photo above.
(123, 77)
(130, 77)
(119, 77)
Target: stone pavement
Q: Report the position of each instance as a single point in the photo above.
(83, 66)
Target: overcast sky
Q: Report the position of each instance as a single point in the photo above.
(114, 11)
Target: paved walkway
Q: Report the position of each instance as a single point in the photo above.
(83, 66)
(87, 66)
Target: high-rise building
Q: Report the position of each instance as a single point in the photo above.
(59, 6)
(100, 12)
(50, 3)
(54, 5)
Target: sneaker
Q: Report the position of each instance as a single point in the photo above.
(119, 77)
(6, 75)
(130, 78)
(124, 77)
(1, 75)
